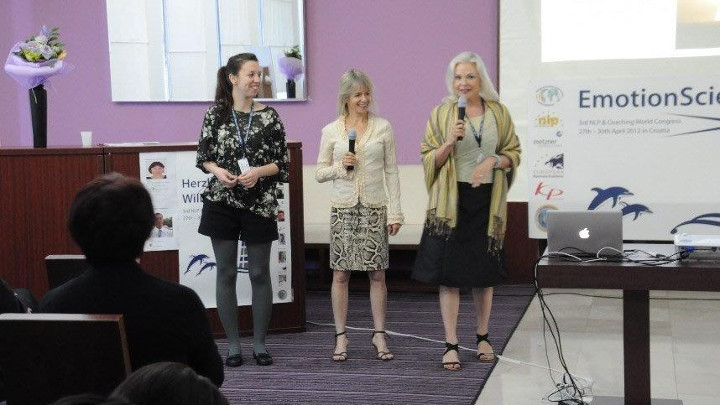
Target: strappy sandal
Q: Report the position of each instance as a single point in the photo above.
(342, 356)
(485, 357)
(384, 356)
(450, 365)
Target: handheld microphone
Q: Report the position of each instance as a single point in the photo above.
(351, 144)
(462, 103)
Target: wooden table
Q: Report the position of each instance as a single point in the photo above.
(636, 280)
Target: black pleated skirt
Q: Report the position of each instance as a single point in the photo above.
(463, 259)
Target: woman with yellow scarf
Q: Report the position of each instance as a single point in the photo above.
(469, 165)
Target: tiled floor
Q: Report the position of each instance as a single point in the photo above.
(684, 348)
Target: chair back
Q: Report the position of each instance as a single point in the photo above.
(63, 268)
(45, 357)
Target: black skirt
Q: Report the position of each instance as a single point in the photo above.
(463, 259)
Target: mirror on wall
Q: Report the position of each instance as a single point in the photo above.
(170, 50)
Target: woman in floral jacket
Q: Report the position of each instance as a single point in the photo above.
(242, 144)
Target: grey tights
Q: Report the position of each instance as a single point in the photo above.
(259, 269)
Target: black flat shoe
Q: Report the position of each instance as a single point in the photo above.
(234, 361)
(263, 359)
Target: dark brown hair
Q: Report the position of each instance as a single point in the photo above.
(168, 383)
(153, 164)
(223, 90)
(111, 218)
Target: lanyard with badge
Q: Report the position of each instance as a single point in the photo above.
(477, 134)
(243, 163)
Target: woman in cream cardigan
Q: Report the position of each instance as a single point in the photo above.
(363, 214)
(469, 165)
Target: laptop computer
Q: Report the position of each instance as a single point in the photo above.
(585, 233)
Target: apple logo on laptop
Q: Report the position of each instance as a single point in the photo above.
(584, 233)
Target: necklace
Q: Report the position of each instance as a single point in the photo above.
(479, 132)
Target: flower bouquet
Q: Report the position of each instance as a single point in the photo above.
(31, 64)
(292, 67)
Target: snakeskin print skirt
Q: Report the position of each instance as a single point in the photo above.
(358, 239)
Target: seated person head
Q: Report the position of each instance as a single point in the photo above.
(89, 399)
(168, 383)
(111, 218)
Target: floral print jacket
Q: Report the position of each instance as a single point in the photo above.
(220, 143)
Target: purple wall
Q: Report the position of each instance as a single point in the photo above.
(404, 45)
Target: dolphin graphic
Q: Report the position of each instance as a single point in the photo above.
(613, 193)
(207, 266)
(199, 258)
(712, 219)
(636, 209)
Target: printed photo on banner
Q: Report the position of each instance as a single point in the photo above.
(157, 171)
(158, 176)
(163, 226)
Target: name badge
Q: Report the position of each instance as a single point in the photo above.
(244, 165)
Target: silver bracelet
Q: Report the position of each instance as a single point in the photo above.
(497, 161)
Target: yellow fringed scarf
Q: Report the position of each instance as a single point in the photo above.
(441, 182)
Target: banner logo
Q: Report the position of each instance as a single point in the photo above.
(201, 263)
(548, 120)
(541, 216)
(711, 219)
(702, 130)
(548, 95)
(612, 196)
(549, 165)
(634, 209)
(550, 192)
(556, 162)
(547, 143)
(606, 195)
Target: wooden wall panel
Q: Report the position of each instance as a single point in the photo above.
(36, 189)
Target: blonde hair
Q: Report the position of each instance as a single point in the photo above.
(487, 89)
(349, 83)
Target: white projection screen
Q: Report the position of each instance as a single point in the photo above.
(617, 103)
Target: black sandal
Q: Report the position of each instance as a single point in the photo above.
(445, 364)
(342, 356)
(384, 356)
(485, 357)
